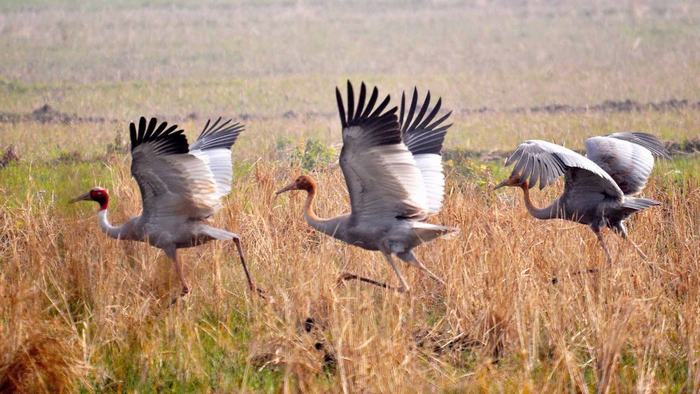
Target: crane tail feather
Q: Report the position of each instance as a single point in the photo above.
(638, 204)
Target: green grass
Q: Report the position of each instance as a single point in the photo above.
(219, 346)
(53, 183)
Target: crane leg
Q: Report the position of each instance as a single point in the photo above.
(350, 276)
(638, 249)
(602, 244)
(404, 286)
(251, 284)
(411, 259)
(622, 230)
(223, 235)
(172, 254)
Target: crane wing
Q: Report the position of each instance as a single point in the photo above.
(172, 181)
(381, 174)
(213, 147)
(541, 161)
(628, 157)
(646, 140)
(424, 136)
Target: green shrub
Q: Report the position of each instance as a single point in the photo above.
(314, 155)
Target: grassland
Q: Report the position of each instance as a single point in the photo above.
(81, 312)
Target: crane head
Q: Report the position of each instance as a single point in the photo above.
(303, 182)
(98, 194)
(514, 180)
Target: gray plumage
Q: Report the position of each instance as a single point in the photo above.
(181, 187)
(599, 188)
(627, 157)
(394, 177)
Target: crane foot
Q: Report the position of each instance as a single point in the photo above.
(555, 279)
(260, 292)
(345, 276)
(185, 291)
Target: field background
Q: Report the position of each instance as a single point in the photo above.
(80, 312)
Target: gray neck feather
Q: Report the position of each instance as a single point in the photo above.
(550, 212)
(107, 228)
(333, 226)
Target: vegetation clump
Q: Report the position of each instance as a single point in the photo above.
(313, 155)
(10, 155)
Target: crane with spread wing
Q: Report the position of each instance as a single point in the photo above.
(599, 189)
(181, 187)
(393, 171)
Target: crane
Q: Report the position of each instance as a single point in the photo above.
(599, 188)
(181, 187)
(393, 172)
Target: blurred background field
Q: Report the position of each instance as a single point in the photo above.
(73, 74)
(276, 63)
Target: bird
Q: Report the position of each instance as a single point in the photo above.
(393, 172)
(600, 188)
(181, 187)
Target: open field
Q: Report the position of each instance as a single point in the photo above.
(81, 312)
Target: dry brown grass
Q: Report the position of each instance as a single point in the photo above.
(39, 356)
(74, 302)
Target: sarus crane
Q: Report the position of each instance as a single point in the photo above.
(599, 188)
(181, 187)
(393, 172)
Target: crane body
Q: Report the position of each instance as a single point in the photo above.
(181, 188)
(600, 189)
(393, 172)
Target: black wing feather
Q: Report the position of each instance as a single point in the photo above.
(381, 107)
(218, 135)
(165, 140)
(421, 113)
(432, 114)
(372, 101)
(351, 102)
(382, 126)
(419, 134)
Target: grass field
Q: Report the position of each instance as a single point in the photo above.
(83, 313)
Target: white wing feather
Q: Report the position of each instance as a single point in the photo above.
(424, 132)
(219, 163)
(542, 162)
(430, 166)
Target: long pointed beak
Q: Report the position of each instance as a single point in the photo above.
(500, 185)
(291, 186)
(82, 197)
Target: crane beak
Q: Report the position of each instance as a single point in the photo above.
(500, 185)
(291, 186)
(82, 197)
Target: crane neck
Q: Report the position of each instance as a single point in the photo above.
(326, 226)
(549, 212)
(106, 226)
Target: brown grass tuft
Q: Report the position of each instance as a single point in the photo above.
(42, 358)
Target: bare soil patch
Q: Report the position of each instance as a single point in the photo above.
(47, 114)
